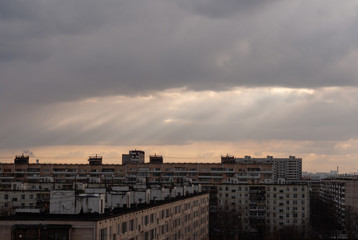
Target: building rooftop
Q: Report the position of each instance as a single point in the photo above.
(95, 216)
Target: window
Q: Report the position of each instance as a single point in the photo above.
(22, 196)
(124, 227)
(103, 234)
(6, 196)
(152, 234)
(131, 225)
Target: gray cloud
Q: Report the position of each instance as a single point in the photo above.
(223, 9)
(65, 50)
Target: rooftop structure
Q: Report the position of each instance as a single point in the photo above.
(21, 159)
(95, 160)
(158, 159)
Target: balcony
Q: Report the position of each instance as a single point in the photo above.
(64, 172)
(210, 177)
(6, 177)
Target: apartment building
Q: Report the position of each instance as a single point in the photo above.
(340, 195)
(180, 218)
(15, 201)
(284, 169)
(200, 173)
(165, 173)
(268, 207)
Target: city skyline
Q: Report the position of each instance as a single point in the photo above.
(188, 80)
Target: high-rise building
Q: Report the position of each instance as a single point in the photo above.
(134, 156)
(285, 169)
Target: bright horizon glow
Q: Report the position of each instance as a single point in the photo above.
(198, 152)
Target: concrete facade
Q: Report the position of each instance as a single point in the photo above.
(153, 173)
(287, 169)
(265, 206)
(340, 195)
(185, 218)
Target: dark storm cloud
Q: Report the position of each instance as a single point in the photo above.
(63, 50)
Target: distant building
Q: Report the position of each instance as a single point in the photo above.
(134, 156)
(288, 169)
(158, 159)
(180, 218)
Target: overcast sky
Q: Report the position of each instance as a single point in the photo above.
(189, 79)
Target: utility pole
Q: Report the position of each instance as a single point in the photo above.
(75, 193)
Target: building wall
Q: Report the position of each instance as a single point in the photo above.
(27, 199)
(182, 219)
(269, 206)
(185, 219)
(81, 230)
(340, 195)
(289, 169)
(166, 173)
